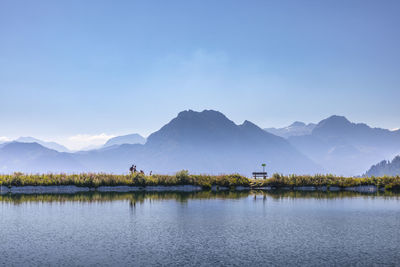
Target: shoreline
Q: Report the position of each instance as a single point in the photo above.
(72, 189)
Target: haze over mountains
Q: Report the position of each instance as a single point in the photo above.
(51, 145)
(126, 139)
(347, 148)
(35, 158)
(295, 129)
(118, 140)
(208, 142)
(203, 142)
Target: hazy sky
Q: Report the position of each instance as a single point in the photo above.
(74, 71)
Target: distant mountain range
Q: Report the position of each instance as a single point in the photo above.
(51, 145)
(208, 142)
(340, 146)
(35, 158)
(385, 167)
(126, 139)
(115, 141)
(347, 148)
(203, 142)
(28, 139)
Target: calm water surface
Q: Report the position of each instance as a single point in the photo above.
(200, 229)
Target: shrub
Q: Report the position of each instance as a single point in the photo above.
(182, 176)
(139, 179)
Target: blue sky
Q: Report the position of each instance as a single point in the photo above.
(71, 69)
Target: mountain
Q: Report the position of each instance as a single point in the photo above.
(208, 142)
(51, 145)
(347, 148)
(35, 158)
(295, 129)
(203, 142)
(385, 168)
(126, 139)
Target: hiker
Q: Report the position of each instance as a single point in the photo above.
(141, 172)
(151, 173)
(131, 169)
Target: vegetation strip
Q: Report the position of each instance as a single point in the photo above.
(95, 180)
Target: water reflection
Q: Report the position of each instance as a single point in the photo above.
(228, 228)
(135, 198)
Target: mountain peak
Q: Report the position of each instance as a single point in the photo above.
(247, 123)
(297, 124)
(337, 120)
(333, 124)
(198, 119)
(192, 125)
(207, 113)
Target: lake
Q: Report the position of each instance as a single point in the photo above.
(201, 229)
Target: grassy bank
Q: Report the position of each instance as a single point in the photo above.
(183, 178)
(277, 180)
(101, 179)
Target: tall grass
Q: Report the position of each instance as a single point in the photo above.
(102, 179)
(184, 178)
(278, 180)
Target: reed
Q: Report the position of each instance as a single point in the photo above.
(328, 180)
(103, 179)
(94, 180)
